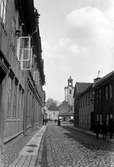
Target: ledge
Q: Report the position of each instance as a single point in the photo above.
(8, 139)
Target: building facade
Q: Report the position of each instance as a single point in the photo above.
(104, 99)
(86, 108)
(80, 87)
(52, 115)
(21, 95)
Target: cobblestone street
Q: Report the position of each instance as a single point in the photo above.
(66, 147)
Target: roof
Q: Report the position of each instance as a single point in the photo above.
(88, 89)
(80, 87)
(104, 78)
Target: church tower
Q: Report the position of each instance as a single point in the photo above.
(69, 90)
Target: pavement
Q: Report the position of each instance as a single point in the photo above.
(89, 132)
(29, 154)
(15, 149)
(93, 134)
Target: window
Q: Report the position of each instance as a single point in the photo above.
(107, 119)
(14, 101)
(100, 94)
(86, 100)
(97, 97)
(100, 118)
(9, 96)
(23, 46)
(70, 91)
(83, 101)
(106, 92)
(13, 23)
(89, 98)
(3, 10)
(97, 117)
(80, 102)
(92, 97)
(36, 77)
(110, 91)
(26, 63)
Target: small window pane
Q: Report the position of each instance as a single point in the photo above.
(110, 91)
(106, 93)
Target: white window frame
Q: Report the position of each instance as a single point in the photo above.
(28, 61)
(29, 54)
(20, 48)
(3, 10)
(36, 77)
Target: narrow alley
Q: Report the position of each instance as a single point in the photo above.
(56, 83)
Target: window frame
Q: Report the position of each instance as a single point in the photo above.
(106, 92)
(3, 6)
(110, 91)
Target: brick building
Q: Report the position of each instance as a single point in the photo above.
(21, 68)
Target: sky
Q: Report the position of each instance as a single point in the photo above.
(77, 39)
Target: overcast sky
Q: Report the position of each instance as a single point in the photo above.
(77, 39)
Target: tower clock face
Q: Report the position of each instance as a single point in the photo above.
(70, 84)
